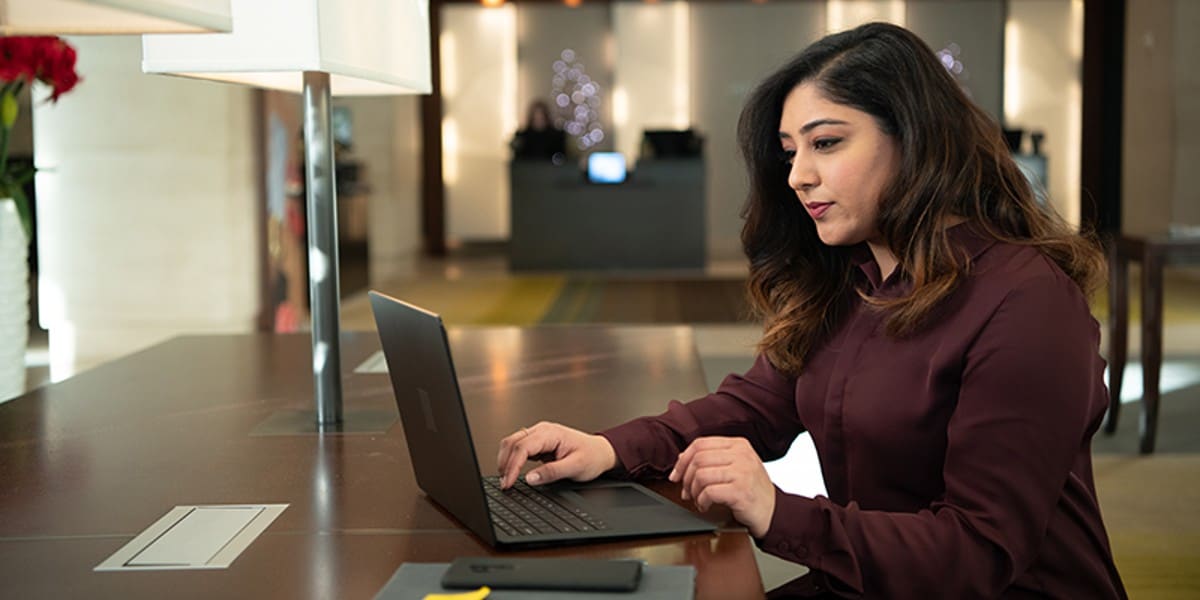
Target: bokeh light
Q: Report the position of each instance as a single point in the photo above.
(577, 100)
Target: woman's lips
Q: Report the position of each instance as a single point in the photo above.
(816, 209)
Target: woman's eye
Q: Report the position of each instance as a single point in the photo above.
(787, 156)
(825, 143)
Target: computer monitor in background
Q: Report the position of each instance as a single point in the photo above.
(606, 167)
(670, 143)
(343, 126)
(1033, 166)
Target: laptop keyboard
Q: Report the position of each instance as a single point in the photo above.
(525, 510)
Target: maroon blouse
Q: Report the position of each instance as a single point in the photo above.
(957, 461)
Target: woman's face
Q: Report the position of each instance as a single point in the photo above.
(539, 119)
(840, 162)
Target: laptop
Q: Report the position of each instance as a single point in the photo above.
(443, 456)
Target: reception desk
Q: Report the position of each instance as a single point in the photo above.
(654, 220)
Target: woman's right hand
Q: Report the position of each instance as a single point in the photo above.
(567, 454)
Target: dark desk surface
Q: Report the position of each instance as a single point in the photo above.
(88, 463)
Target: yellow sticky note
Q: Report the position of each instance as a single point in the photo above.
(478, 594)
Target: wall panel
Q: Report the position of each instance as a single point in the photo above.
(480, 116)
(543, 33)
(975, 28)
(147, 208)
(652, 77)
(1044, 88)
(734, 46)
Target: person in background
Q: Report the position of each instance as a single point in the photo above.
(540, 139)
(923, 317)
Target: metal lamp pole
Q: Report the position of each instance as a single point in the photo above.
(323, 286)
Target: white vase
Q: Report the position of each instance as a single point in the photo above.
(14, 301)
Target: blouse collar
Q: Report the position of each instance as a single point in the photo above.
(966, 235)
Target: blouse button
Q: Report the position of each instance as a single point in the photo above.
(784, 546)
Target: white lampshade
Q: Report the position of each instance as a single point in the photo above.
(369, 47)
(78, 17)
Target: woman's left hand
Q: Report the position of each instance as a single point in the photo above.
(725, 470)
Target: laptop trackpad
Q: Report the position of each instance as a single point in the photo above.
(615, 496)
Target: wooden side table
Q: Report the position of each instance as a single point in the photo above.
(1154, 252)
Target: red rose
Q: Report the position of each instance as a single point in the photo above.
(45, 58)
(23, 60)
(58, 68)
(18, 58)
(39, 54)
(63, 84)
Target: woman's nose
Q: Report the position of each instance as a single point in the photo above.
(802, 177)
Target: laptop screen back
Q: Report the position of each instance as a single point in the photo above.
(431, 410)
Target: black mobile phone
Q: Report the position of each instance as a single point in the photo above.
(543, 574)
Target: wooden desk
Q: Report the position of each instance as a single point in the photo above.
(1154, 252)
(88, 463)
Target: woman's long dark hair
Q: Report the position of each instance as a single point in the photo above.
(953, 162)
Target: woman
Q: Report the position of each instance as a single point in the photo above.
(923, 318)
(540, 139)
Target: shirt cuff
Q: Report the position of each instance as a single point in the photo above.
(639, 453)
(792, 530)
(800, 532)
(620, 471)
